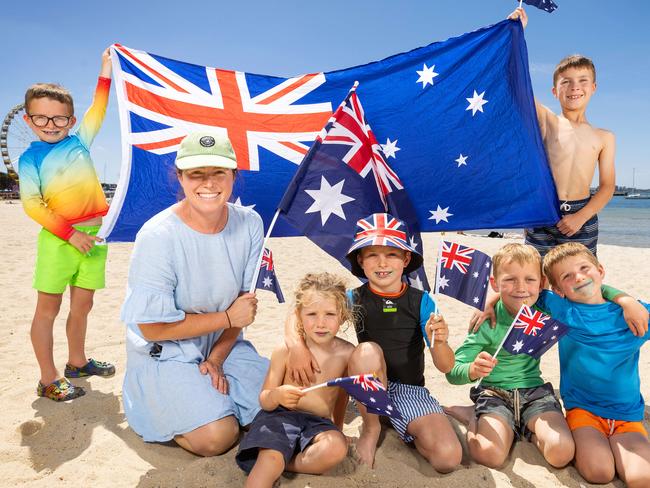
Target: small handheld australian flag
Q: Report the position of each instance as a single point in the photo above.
(533, 333)
(463, 273)
(546, 5)
(367, 389)
(266, 280)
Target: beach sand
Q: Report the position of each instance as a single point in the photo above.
(87, 442)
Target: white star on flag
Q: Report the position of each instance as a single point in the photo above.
(412, 242)
(416, 283)
(238, 202)
(516, 347)
(444, 283)
(461, 160)
(555, 327)
(372, 400)
(426, 75)
(390, 148)
(475, 299)
(267, 282)
(475, 274)
(487, 265)
(530, 350)
(553, 338)
(440, 214)
(476, 103)
(328, 200)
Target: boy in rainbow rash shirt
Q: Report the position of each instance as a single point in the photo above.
(60, 190)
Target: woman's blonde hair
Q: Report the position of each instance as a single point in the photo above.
(326, 284)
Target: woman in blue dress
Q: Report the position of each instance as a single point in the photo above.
(190, 375)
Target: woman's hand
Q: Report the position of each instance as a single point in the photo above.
(214, 368)
(243, 310)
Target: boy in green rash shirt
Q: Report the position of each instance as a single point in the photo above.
(512, 398)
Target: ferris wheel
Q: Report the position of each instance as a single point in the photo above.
(15, 137)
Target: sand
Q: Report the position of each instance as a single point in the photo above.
(87, 442)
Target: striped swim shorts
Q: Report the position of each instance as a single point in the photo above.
(546, 238)
(412, 402)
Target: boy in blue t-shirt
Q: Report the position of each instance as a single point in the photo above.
(599, 370)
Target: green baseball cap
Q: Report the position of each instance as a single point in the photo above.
(200, 149)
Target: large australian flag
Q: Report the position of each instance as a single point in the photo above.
(533, 333)
(455, 119)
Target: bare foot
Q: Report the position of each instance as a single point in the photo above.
(366, 446)
(464, 414)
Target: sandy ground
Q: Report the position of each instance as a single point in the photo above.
(87, 442)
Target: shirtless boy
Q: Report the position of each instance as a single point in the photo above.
(295, 431)
(573, 148)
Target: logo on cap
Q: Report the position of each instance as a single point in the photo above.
(207, 141)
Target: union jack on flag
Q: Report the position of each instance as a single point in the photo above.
(533, 333)
(349, 127)
(368, 382)
(456, 256)
(177, 103)
(380, 230)
(531, 321)
(368, 390)
(463, 273)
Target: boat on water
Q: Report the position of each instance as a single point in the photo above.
(633, 195)
(638, 196)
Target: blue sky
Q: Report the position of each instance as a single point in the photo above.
(62, 42)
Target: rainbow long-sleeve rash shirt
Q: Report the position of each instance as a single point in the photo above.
(58, 183)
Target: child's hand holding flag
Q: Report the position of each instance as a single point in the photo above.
(436, 330)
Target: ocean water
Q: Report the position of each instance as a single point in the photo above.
(622, 222)
(625, 222)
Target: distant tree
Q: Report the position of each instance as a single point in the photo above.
(8, 183)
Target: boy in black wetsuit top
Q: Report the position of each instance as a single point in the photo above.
(393, 318)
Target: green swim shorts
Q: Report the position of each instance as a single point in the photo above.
(59, 263)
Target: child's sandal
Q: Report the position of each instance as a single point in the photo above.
(91, 368)
(60, 390)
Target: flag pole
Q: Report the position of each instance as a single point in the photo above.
(259, 259)
(315, 387)
(520, 1)
(437, 285)
(502, 342)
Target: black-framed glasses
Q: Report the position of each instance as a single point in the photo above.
(59, 121)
